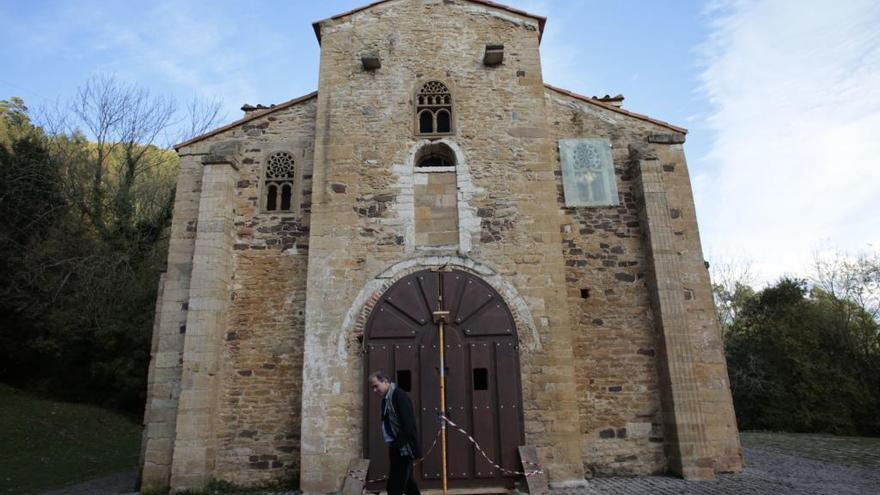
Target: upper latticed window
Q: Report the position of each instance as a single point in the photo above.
(434, 109)
(278, 183)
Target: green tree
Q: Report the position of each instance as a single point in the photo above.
(31, 203)
(796, 362)
(85, 201)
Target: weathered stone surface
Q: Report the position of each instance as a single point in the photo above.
(261, 315)
(667, 138)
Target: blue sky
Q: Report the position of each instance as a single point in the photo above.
(781, 97)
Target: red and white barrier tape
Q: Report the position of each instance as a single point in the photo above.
(483, 453)
(476, 446)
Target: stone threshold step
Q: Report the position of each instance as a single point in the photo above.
(464, 491)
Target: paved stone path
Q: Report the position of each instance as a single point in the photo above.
(776, 464)
(850, 451)
(767, 473)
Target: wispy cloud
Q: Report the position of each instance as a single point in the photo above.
(186, 46)
(794, 88)
(182, 48)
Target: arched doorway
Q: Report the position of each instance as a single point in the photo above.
(483, 392)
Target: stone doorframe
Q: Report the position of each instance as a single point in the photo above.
(335, 378)
(402, 334)
(350, 339)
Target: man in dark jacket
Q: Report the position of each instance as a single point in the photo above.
(398, 427)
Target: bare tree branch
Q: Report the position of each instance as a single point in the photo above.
(732, 282)
(853, 278)
(202, 115)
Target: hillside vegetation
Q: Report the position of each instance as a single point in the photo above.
(86, 195)
(804, 355)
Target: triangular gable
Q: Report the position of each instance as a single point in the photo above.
(608, 106)
(541, 20)
(247, 118)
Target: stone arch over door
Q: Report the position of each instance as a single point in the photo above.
(483, 375)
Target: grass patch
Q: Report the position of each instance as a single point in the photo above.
(46, 444)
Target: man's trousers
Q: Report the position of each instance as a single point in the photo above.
(400, 475)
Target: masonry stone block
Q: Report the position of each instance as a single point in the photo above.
(257, 370)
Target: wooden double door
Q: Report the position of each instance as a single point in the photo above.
(483, 392)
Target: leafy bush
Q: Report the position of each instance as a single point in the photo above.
(804, 361)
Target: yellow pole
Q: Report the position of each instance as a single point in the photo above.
(443, 402)
(440, 317)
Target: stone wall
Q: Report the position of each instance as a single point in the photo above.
(275, 387)
(256, 400)
(259, 402)
(504, 173)
(621, 420)
(620, 356)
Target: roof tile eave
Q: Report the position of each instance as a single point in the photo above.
(247, 118)
(607, 106)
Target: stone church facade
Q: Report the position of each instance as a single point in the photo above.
(433, 169)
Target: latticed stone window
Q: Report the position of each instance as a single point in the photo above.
(434, 109)
(278, 182)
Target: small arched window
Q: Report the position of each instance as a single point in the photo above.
(426, 122)
(434, 109)
(278, 182)
(434, 155)
(442, 117)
